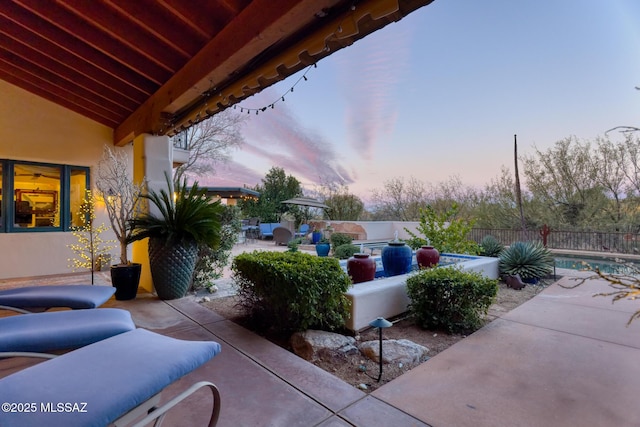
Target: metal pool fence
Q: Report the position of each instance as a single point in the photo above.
(596, 241)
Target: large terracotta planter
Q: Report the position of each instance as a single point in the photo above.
(361, 268)
(396, 258)
(427, 257)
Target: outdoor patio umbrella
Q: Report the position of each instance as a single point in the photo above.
(306, 201)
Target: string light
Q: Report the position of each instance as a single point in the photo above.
(225, 100)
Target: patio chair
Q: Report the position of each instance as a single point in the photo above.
(282, 235)
(41, 298)
(112, 382)
(32, 334)
(303, 231)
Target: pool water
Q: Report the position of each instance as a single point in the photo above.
(605, 265)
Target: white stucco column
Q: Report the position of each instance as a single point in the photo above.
(153, 157)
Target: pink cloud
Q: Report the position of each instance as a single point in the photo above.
(368, 80)
(278, 136)
(232, 174)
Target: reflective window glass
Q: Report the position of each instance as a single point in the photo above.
(36, 195)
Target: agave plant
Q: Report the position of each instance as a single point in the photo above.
(187, 219)
(530, 260)
(490, 246)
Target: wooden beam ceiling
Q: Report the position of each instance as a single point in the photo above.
(156, 66)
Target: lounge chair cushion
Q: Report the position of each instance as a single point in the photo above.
(60, 330)
(71, 296)
(112, 377)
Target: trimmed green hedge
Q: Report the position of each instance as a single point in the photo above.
(292, 291)
(339, 239)
(345, 251)
(450, 299)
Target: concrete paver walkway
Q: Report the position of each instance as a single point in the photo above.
(563, 358)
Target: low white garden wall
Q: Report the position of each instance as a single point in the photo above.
(387, 297)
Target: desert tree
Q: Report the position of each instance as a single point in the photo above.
(276, 187)
(563, 179)
(343, 205)
(610, 166)
(399, 199)
(209, 143)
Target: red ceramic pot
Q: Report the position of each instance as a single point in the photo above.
(361, 268)
(427, 257)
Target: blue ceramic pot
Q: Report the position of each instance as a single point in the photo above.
(396, 258)
(316, 236)
(322, 249)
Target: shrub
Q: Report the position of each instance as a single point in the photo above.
(450, 299)
(293, 244)
(490, 246)
(211, 262)
(292, 291)
(345, 251)
(445, 232)
(339, 239)
(530, 260)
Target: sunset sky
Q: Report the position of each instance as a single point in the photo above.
(442, 92)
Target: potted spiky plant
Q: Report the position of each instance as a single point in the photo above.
(187, 217)
(121, 196)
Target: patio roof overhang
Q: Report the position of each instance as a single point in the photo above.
(232, 193)
(156, 67)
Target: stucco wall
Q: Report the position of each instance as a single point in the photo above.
(34, 129)
(380, 230)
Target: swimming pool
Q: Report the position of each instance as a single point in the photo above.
(606, 265)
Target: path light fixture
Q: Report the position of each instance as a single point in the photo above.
(380, 323)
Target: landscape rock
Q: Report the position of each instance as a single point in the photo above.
(310, 343)
(514, 282)
(396, 351)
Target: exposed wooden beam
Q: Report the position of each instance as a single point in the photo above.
(185, 97)
(108, 45)
(81, 51)
(51, 53)
(259, 26)
(76, 82)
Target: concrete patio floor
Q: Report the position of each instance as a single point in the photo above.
(563, 358)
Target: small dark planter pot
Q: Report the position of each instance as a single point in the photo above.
(322, 249)
(126, 278)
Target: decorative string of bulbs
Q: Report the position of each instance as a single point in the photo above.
(280, 99)
(271, 105)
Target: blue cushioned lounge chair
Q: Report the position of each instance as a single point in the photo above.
(33, 334)
(40, 298)
(113, 382)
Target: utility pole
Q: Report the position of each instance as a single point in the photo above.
(518, 189)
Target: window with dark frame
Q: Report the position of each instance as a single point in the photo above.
(46, 197)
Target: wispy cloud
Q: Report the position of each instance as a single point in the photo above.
(278, 136)
(232, 174)
(368, 78)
